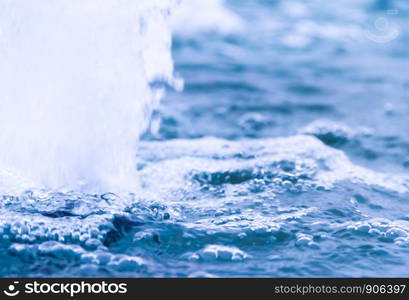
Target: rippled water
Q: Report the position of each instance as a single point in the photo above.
(287, 154)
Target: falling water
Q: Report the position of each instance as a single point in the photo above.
(75, 88)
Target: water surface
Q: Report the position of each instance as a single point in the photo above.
(286, 155)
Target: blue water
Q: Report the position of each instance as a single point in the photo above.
(286, 155)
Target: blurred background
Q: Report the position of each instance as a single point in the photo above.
(267, 68)
(286, 154)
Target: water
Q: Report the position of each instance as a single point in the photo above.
(287, 153)
(75, 88)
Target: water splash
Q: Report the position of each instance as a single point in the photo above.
(75, 88)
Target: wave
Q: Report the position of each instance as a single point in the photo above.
(211, 200)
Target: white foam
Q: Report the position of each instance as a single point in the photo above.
(330, 165)
(75, 87)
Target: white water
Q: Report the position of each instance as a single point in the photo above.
(74, 88)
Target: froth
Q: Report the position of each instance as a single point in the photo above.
(75, 88)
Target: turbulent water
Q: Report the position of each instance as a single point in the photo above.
(75, 88)
(286, 155)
